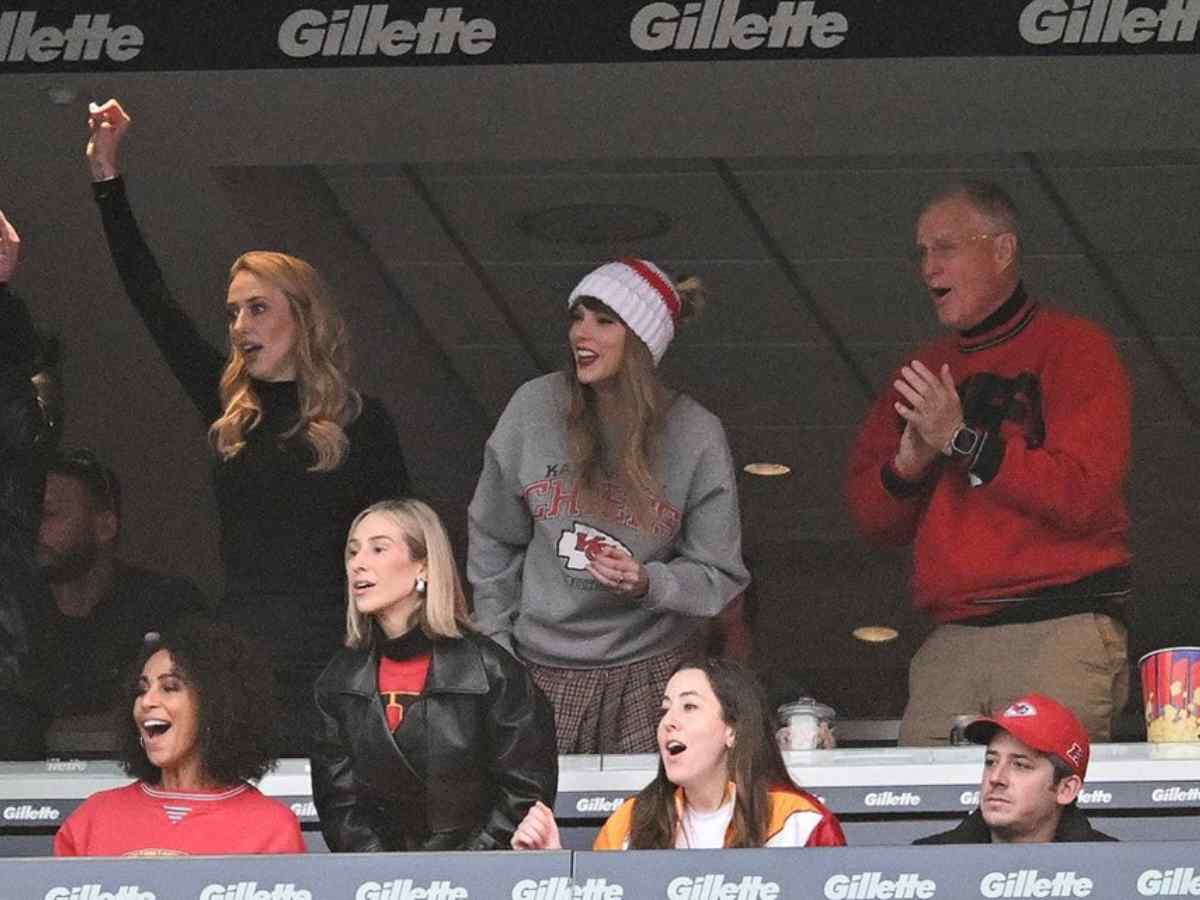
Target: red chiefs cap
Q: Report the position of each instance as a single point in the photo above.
(1042, 724)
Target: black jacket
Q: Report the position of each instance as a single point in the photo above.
(24, 448)
(472, 755)
(1073, 828)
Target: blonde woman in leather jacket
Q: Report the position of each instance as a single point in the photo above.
(433, 736)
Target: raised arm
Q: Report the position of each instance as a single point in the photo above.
(17, 337)
(195, 363)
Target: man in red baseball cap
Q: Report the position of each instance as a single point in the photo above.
(1037, 757)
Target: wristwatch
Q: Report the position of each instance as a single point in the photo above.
(964, 443)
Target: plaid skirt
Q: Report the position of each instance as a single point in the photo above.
(611, 710)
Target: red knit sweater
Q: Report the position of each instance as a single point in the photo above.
(1054, 511)
(140, 820)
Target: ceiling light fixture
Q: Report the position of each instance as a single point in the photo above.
(62, 95)
(876, 634)
(766, 468)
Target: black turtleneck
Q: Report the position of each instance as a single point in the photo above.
(1003, 313)
(412, 643)
(282, 526)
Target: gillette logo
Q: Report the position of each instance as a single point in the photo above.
(1094, 797)
(873, 886)
(1181, 882)
(1176, 795)
(248, 890)
(716, 25)
(304, 809)
(95, 892)
(365, 31)
(28, 813)
(66, 765)
(715, 887)
(1026, 883)
(404, 889)
(89, 37)
(597, 805)
(1108, 22)
(562, 888)
(891, 798)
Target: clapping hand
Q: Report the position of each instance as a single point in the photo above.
(932, 412)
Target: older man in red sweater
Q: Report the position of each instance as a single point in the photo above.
(1000, 452)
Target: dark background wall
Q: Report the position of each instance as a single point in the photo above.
(790, 185)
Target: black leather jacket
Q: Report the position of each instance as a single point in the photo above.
(473, 753)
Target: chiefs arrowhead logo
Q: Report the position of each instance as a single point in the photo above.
(581, 543)
(1020, 710)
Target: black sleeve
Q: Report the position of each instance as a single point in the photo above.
(21, 590)
(343, 824)
(196, 364)
(17, 336)
(382, 456)
(523, 765)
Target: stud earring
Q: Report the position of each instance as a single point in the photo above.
(422, 586)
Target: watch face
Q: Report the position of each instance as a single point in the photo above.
(965, 440)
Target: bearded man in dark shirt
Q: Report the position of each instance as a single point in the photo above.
(103, 607)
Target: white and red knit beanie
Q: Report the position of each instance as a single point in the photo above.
(641, 294)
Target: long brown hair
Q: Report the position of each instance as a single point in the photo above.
(644, 403)
(754, 762)
(328, 401)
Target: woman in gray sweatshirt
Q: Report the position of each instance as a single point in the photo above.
(604, 531)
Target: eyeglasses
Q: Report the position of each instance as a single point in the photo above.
(944, 248)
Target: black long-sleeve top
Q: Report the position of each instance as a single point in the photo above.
(281, 525)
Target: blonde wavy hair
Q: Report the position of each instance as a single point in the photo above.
(444, 612)
(328, 401)
(644, 402)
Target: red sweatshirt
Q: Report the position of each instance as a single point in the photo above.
(141, 820)
(1053, 512)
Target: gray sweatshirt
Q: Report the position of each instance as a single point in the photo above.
(529, 537)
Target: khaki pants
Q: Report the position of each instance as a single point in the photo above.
(1081, 661)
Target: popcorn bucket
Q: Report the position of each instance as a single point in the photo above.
(1171, 694)
(807, 725)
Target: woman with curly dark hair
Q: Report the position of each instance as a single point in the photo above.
(204, 724)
